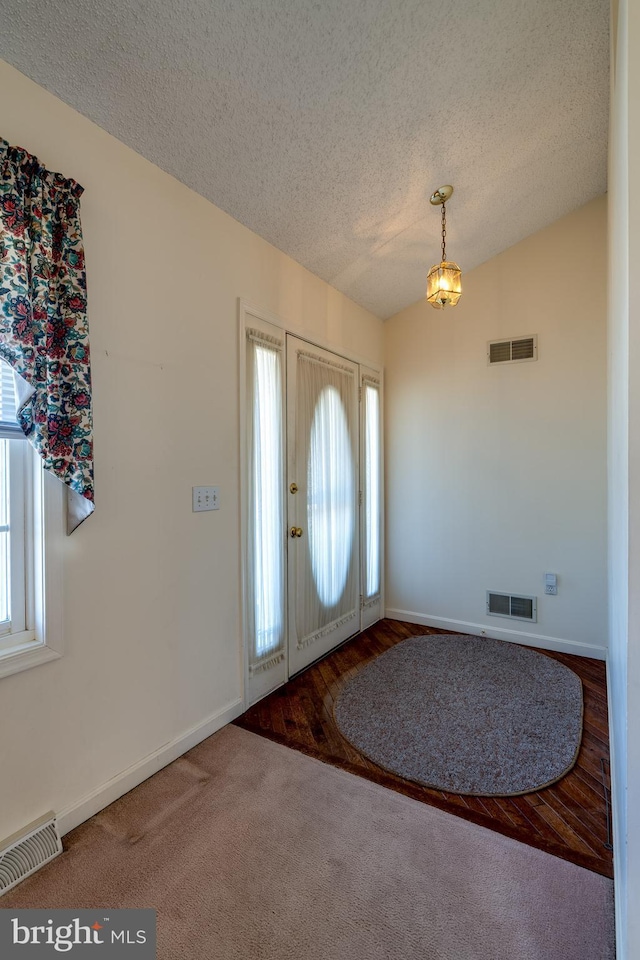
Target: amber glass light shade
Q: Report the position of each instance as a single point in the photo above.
(444, 284)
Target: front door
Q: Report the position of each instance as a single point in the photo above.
(322, 502)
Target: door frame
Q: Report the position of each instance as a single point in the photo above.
(249, 314)
(371, 610)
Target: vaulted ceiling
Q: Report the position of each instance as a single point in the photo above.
(324, 125)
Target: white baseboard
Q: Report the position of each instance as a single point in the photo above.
(105, 794)
(500, 633)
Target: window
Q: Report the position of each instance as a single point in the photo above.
(372, 491)
(371, 498)
(13, 614)
(30, 531)
(266, 565)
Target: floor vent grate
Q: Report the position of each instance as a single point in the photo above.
(25, 852)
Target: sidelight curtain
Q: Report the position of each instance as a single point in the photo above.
(266, 525)
(372, 559)
(44, 335)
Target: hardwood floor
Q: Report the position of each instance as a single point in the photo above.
(568, 819)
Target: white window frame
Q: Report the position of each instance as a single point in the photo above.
(258, 684)
(41, 640)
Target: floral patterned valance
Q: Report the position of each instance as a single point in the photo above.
(43, 324)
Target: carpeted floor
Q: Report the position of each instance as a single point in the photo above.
(250, 850)
(470, 715)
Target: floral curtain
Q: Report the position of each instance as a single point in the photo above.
(43, 324)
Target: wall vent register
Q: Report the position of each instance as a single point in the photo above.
(515, 608)
(512, 351)
(25, 852)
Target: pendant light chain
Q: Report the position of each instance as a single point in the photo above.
(444, 287)
(444, 232)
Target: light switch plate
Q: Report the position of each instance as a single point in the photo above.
(205, 498)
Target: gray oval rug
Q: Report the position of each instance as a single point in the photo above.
(465, 714)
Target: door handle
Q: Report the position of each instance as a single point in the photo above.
(296, 531)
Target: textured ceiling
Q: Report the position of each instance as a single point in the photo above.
(324, 125)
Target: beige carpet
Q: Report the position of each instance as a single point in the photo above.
(250, 850)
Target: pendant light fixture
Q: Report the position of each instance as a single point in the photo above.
(444, 285)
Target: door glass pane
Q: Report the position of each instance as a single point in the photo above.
(330, 509)
(372, 489)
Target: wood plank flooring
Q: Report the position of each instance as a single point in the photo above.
(567, 819)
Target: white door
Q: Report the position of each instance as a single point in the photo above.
(323, 502)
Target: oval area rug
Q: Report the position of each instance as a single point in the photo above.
(465, 714)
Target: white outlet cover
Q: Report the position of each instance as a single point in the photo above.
(205, 498)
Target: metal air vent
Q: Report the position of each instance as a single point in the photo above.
(515, 608)
(512, 351)
(25, 852)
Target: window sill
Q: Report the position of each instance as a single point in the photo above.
(25, 656)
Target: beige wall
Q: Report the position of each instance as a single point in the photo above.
(152, 591)
(496, 475)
